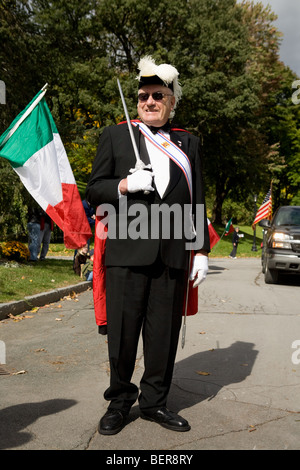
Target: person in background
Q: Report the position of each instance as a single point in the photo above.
(34, 227)
(80, 259)
(87, 268)
(235, 242)
(90, 213)
(46, 227)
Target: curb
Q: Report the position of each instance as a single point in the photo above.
(39, 300)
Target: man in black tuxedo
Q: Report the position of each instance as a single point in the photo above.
(147, 268)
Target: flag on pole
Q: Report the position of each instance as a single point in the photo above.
(34, 148)
(229, 228)
(265, 210)
(213, 236)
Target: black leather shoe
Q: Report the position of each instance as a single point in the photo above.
(112, 422)
(167, 419)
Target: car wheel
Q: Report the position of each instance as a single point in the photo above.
(271, 275)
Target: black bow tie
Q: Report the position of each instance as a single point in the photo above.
(166, 127)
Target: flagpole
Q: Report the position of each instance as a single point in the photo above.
(28, 111)
(230, 220)
(270, 215)
(221, 236)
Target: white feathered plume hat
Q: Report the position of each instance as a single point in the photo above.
(163, 74)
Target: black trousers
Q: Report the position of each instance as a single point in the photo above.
(234, 250)
(148, 299)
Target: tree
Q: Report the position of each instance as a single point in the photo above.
(228, 82)
(226, 53)
(19, 58)
(284, 129)
(19, 69)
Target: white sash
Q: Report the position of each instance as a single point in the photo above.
(170, 149)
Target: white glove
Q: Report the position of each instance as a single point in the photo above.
(140, 180)
(199, 269)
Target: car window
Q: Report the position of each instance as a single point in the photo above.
(288, 217)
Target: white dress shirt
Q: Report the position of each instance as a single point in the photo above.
(160, 165)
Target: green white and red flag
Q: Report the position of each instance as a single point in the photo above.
(229, 228)
(34, 149)
(213, 236)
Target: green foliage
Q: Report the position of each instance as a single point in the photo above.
(13, 204)
(236, 93)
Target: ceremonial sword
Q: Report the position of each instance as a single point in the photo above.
(186, 302)
(140, 165)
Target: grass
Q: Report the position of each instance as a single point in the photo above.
(18, 280)
(224, 246)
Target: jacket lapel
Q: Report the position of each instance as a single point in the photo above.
(140, 142)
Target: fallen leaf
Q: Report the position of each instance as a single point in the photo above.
(252, 428)
(15, 318)
(20, 372)
(200, 372)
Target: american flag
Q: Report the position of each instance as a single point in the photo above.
(265, 210)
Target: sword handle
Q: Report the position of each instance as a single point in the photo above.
(139, 163)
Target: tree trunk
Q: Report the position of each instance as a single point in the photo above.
(220, 197)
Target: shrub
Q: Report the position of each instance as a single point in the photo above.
(14, 250)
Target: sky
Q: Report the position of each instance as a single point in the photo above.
(288, 23)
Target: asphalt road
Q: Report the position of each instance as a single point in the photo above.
(237, 380)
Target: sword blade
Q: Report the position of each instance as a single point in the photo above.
(186, 303)
(136, 152)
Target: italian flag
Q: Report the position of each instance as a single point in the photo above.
(229, 228)
(213, 236)
(34, 148)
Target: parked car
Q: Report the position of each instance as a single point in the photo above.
(281, 243)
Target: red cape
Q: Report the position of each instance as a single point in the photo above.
(99, 279)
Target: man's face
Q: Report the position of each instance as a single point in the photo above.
(155, 112)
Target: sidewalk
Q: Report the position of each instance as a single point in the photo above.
(234, 380)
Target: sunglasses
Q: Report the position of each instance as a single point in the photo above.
(157, 96)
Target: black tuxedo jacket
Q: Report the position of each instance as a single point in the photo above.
(114, 159)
